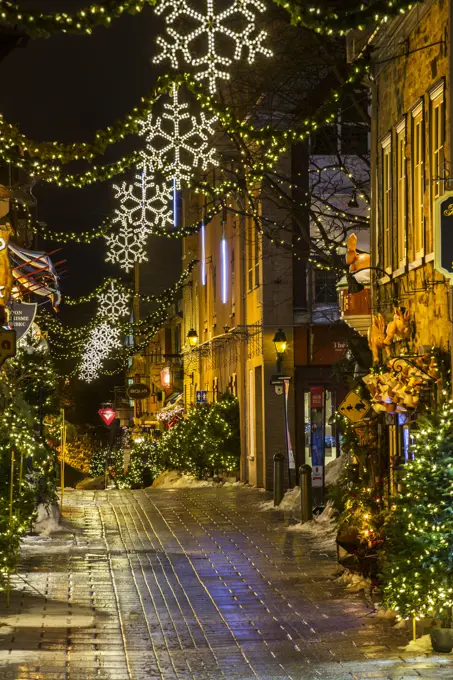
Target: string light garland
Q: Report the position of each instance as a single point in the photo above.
(338, 22)
(210, 66)
(38, 24)
(16, 150)
(62, 337)
(73, 236)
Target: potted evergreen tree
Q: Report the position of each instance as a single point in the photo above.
(418, 552)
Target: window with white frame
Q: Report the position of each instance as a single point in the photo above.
(386, 169)
(437, 139)
(401, 194)
(418, 182)
(233, 284)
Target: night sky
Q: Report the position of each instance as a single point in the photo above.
(65, 88)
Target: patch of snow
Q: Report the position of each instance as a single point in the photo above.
(421, 645)
(54, 617)
(47, 520)
(334, 470)
(382, 613)
(173, 479)
(354, 582)
(45, 545)
(322, 529)
(290, 502)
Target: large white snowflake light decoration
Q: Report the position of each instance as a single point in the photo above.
(210, 65)
(113, 302)
(178, 147)
(127, 246)
(101, 341)
(145, 204)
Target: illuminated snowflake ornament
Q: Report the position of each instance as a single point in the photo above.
(113, 302)
(145, 204)
(175, 146)
(211, 29)
(127, 246)
(101, 341)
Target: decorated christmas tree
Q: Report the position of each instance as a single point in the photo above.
(418, 568)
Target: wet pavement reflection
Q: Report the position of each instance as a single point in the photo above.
(193, 584)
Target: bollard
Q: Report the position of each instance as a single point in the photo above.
(306, 503)
(279, 462)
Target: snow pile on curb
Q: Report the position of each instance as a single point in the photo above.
(173, 479)
(291, 499)
(44, 545)
(290, 502)
(322, 529)
(354, 582)
(335, 469)
(421, 645)
(47, 520)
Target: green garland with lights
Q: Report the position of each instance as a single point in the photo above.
(39, 24)
(46, 160)
(334, 21)
(321, 19)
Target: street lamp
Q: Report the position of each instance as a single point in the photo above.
(192, 337)
(281, 344)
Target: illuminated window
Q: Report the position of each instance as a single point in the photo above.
(386, 168)
(233, 285)
(418, 181)
(253, 255)
(401, 194)
(437, 137)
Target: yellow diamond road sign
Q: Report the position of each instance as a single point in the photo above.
(354, 408)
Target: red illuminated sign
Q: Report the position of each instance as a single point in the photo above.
(108, 415)
(316, 393)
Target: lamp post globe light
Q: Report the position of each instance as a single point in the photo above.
(192, 337)
(281, 344)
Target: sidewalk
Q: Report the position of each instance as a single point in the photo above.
(190, 584)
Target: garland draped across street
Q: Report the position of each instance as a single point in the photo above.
(320, 18)
(54, 155)
(339, 20)
(38, 24)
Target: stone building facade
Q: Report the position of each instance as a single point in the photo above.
(411, 113)
(238, 296)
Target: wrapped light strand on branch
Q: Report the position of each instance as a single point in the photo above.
(38, 24)
(46, 160)
(351, 16)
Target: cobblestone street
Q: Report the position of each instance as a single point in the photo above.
(190, 584)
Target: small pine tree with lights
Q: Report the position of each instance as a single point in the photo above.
(418, 553)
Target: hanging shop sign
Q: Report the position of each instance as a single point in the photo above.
(354, 408)
(7, 344)
(443, 235)
(201, 396)
(138, 391)
(21, 316)
(108, 415)
(316, 396)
